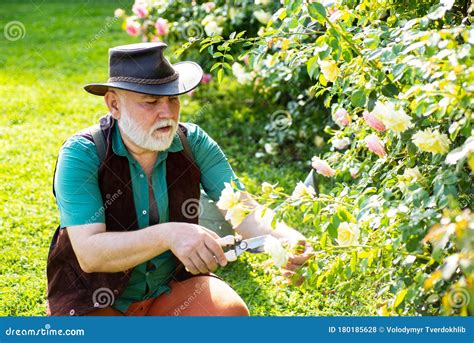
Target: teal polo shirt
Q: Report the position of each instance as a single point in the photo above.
(80, 202)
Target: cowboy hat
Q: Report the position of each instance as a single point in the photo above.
(142, 68)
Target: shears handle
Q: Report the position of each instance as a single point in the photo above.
(225, 241)
(229, 241)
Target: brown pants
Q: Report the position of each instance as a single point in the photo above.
(196, 296)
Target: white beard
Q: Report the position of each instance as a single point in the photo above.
(151, 140)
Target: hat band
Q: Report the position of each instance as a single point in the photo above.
(144, 81)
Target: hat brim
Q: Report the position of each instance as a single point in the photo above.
(190, 75)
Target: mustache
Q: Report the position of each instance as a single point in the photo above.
(164, 123)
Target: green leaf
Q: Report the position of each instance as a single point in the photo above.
(317, 11)
(346, 55)
(372, 101)
(398, 71)
(390, 90)
(204, 46)
(307, 216)
(219, 77)
(215, 66)
(400, 297)
(345, 215)
(282, 15)
(333, 225)
(292, 23)
(323, 240)
(312, 66)
(354, 261)
(294, 7)
(358, 98)
(322, 80)
(320, 280)
(240, 34)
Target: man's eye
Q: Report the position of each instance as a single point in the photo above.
(151, 102)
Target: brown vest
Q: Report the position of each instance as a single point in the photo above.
(71, 291)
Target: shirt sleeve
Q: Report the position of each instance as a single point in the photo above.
(211, 160)
(76, 184)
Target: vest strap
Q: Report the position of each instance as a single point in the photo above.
(186, 147)
(99, 141)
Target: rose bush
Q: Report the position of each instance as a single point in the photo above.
(381, 94)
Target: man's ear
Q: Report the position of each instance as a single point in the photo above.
(111, 99)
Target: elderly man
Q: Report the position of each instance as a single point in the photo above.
(126, 244)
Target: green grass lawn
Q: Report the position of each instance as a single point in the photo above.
(43, 103)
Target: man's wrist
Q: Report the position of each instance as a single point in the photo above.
(165, 234)
(287, 234)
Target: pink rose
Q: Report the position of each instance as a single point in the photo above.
(132, 27)
(373, 122)
(140, 10)
(375, 145)
(161, 27)
(354, 172)
(206, 78)
(322, 167)
(342, 117)
(209, 7)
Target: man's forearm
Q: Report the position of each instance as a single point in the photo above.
(254, 225)
(118, 251)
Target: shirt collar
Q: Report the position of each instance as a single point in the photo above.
(120, 149)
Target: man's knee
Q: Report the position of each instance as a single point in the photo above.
(201, 296)
(227, 301)
(238, 308)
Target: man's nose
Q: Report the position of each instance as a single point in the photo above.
(165, 109)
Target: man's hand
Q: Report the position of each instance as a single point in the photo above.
(302, 252)
(196, 247)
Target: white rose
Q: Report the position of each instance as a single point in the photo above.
(267, 187)
(431, 141)
(262, 16)
(301, 190)
(212, 29)
(348, 234)
(236, 215)
(395, 120)
(228, 198)
(342, 143)
(240, 74)
(276, 250)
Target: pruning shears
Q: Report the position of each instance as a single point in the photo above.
(234, 246)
